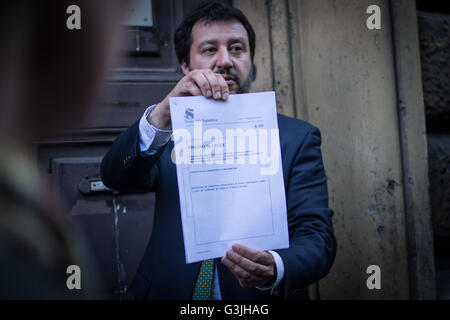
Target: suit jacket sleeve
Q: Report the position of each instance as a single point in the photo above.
(312, 245)
(124, 169)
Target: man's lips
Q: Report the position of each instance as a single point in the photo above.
(230, 80)
(228, 77)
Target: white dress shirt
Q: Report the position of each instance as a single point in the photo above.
(151, 140)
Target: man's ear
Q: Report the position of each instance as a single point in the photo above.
(185, 68)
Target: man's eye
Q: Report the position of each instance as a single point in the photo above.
(209, 50)
(236, 49)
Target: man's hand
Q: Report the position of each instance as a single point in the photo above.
(196, 83)
(251, 267)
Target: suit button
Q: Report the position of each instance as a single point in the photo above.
(127, 159)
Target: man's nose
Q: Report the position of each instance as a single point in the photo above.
(223, 59)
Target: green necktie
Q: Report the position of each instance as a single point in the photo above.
(202, 289)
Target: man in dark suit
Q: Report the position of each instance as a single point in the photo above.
(215, 45)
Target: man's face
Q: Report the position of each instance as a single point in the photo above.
(223, 47)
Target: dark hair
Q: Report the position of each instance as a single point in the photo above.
(208, 11)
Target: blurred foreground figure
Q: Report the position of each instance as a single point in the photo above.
(48, 78)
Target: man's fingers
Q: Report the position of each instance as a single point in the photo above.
(236, 269)
(210, 84)
(214, 84)
(202, 82)
(223, 86)
(249, 266)
(261, 257)
(193, 89)
(245, 279)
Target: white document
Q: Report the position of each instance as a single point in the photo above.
(230, 176)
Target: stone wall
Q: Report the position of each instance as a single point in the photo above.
(434, 35)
